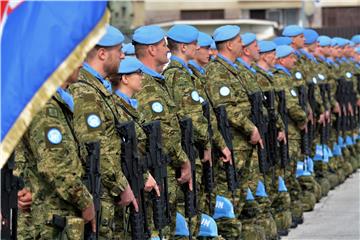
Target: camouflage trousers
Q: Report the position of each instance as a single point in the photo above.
(25, 228)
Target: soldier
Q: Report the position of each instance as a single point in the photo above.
(247, 72)
(95, 116)
(197, 66)
(297, 121)
(155, 103)
(129, 49)
(53, 159)
(225, 88)
(265, 79)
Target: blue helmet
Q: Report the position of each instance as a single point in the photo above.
(208, 227)
(282, 186)
(223, 208)
(260, 190)
(181, 228)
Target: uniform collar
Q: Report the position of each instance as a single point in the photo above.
(182, 62)
(228, 61)
(152, 73)
(268, 72)
(66, 98)
(97, 75)
(308, 55)
(131, 101)
(282, 68)
(197, 67)
(246, 65)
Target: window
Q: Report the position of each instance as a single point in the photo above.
(258, 14)
(202, 14)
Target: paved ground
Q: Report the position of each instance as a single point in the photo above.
(335, 217)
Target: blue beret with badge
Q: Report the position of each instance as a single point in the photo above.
(283, 51)
(248, 38)
(148, 35)
(310, 36)
(183, 33)
(292, 31)
(111, 38)
(266, 46)
(282, 41)
(225, 33)
(356, 39)
(324, 41)
(204, 40)
(128, 49)
(130, 65)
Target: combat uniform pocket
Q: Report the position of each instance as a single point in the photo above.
(107, 219)
(74, 228)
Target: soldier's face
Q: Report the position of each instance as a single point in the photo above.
(133, 81)
(270, 58)
(237, 47)
(203, 55)
(190, 49)
(299, 41)
(253, 51)
(161, 52)
(113, 57)
(289, 61)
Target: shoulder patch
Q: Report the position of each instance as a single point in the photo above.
(224, 91)
(54, 136)
(93, 120)
(195, 96)
(298, 75)
(157, 107)
(314, 80)
(348, 74)
(321, 77)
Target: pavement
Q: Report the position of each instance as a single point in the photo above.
(335, 217)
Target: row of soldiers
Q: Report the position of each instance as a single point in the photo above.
(233, 138)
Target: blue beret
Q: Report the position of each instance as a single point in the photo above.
(282, 41)
(213, 45)
(225, 33)
(324, 41)
(292, 31)
(356, 39)
(248, 38)
(310, 36)
(337, 41)
(283, 51)
(357, 50)
(266, 46)
(204, 40)
(128, 49)
(148, 35)
(130, 65)
(351, 43)
(111, 38)
(183, 33)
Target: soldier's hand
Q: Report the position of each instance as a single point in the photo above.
(328, 116)
(322, 119)
(151, 185)
(255, 136)
(358, 103)
(226, 155)
(127, 197)
(185, 173)
(281, 137)
(350, 109)
(304, 127)
(337, 108)
(88, 214)
(207, 156)
(24, 199)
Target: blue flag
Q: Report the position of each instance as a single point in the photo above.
(42, 43)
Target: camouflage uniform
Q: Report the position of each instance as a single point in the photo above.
(57, 170)
(93, 101)
(225, 88)
(297, 117)
(155, 93)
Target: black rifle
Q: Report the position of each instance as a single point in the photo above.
(323, 128)
(187, 142)
(10, 185)
(272, 131)
(133, 169)
(314, 107)
(157, 165)
(207, 170)
(340, 124)
(284, 148)
(302, 95)
(92, 180)
(257, 117)
(224, 128)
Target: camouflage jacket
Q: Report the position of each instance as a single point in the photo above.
(155, 103)
(200, 81)
(185, 95)
(225, 88)
(54, 163)
(95, 117)
(296, 115)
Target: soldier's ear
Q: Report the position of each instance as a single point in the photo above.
(101, 53)
(152, 50)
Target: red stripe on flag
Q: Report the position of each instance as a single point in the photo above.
(3, 3)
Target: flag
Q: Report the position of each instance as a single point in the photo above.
(42, 43)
